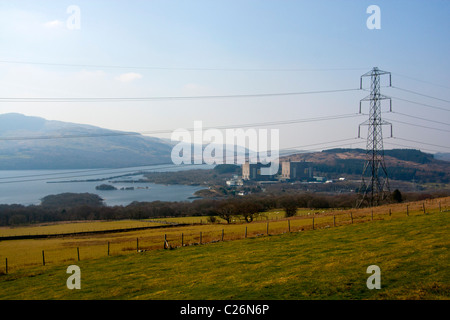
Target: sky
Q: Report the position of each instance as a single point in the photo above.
(192, 48)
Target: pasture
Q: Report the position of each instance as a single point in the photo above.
(60, 250)
(327, 263)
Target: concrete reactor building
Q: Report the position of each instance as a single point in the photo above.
(252, 171)
(300, 170)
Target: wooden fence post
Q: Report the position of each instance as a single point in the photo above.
(43, 258)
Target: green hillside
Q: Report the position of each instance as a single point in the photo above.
(412, 253)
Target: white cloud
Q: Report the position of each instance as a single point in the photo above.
(128, 77)
(53, 24)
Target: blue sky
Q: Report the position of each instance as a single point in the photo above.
(229, 47)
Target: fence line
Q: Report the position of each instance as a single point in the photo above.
(175, 240)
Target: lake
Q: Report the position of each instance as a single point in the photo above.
(28, 187)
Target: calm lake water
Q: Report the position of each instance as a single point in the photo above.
(30, 186)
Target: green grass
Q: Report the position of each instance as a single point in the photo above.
(412, 253)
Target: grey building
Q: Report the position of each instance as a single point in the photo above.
(300, 170)
(252, 171)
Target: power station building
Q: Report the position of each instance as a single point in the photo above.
(252, 171)
(290, 171)
(300, 170)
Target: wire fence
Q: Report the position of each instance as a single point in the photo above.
(56, 251)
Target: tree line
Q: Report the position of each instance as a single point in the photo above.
(75, 207)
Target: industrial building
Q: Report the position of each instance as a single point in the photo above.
(290, 171)
(299, 170)
(252, 171)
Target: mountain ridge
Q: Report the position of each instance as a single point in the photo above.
(29, 142)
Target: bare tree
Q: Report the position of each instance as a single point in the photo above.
(227, 211)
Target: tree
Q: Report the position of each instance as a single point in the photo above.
(248, 209)
(71, 200)
(397, 196)
(289, 204)
(318, 203)
(227, 211)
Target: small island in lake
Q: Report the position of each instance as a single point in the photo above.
(105, 187)
(127, 188)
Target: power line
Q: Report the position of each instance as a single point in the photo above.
(173, 68)
(85, 171)
(420, 142)
(418, 125)
(420, 118)
(421, 104)
(420, 94)
(256, 124)
(414, 102)
(405, 146)
(421, 80)
(140, 99)
(326, 148)
(127, 170)
(316, 144)
(167, 165)
(79, 176)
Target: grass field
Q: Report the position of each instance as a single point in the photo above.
(73, 227)
(28, 253)
(274, 214)
(329, 263)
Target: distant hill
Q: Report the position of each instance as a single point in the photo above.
(402, 164)
(78, 146)
(442, 156)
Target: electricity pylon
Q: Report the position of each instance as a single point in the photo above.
(375, 183)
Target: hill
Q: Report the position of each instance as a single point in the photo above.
(25, 144)
(442, 156)
(402, 164)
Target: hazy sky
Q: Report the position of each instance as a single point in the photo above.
(175, 48)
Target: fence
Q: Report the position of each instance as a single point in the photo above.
(31, 253)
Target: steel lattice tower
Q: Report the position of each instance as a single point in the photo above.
(375, 183)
